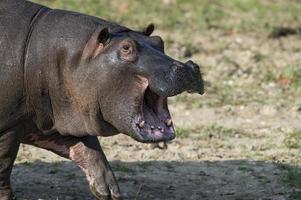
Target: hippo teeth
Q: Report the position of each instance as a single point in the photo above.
(168, 122)
(153, 120)
(141, 124)
(160, 129)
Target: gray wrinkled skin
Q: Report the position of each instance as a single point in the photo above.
(67, 78)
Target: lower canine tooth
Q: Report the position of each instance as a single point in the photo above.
(168, 122)
(141, 124)
(160, 129)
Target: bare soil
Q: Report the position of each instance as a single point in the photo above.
(190, 168)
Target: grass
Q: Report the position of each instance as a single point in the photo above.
(293, 178)
(54, 171)
(71, 175)
(293, 140)
(293, 76)
(122, 167)
(245, 169)
(259, 57)
(295, 196)
(212, 131)
(246, 144)
(246, 15)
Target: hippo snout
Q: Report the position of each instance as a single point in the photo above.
(197, 84)
(193, 66)
(177, 78)
(186, 77)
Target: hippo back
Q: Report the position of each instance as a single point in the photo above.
(15, 19)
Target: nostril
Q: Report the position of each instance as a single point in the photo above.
(192, 65)
(189, 63)
(178, 64)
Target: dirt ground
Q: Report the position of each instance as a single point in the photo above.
(190, 168)
(241, 140)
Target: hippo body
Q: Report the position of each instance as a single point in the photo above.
(14, 24)
(67, 78)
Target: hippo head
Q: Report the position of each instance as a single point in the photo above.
(133, 78)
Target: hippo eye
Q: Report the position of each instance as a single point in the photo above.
(126, 49)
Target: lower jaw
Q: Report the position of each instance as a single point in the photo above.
(155, 136)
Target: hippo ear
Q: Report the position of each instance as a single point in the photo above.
(157, 42)
(148, 30)
(96, 43)
(103, 36)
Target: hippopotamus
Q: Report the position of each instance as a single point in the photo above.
(67, 78)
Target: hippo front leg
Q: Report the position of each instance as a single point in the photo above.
(91, 159)
(9, 145)
(88, 155)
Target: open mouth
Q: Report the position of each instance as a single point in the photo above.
(153, 123)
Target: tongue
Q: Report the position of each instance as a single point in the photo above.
(150, 116)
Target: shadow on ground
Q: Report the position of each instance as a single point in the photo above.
(233, 179)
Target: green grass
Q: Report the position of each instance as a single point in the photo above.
(70, 175)
(293, 140)
(295, 196)
(54, 171)
(289, 76)
(245, 169)
(212, 131)
(259, 57)
(122, 167)
(182, 132)
(291, 176)
(293, 179)
(243, 15)
(293, 75)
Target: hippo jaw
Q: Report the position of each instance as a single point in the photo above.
(153, 122)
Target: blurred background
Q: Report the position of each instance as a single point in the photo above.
(241, 140)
